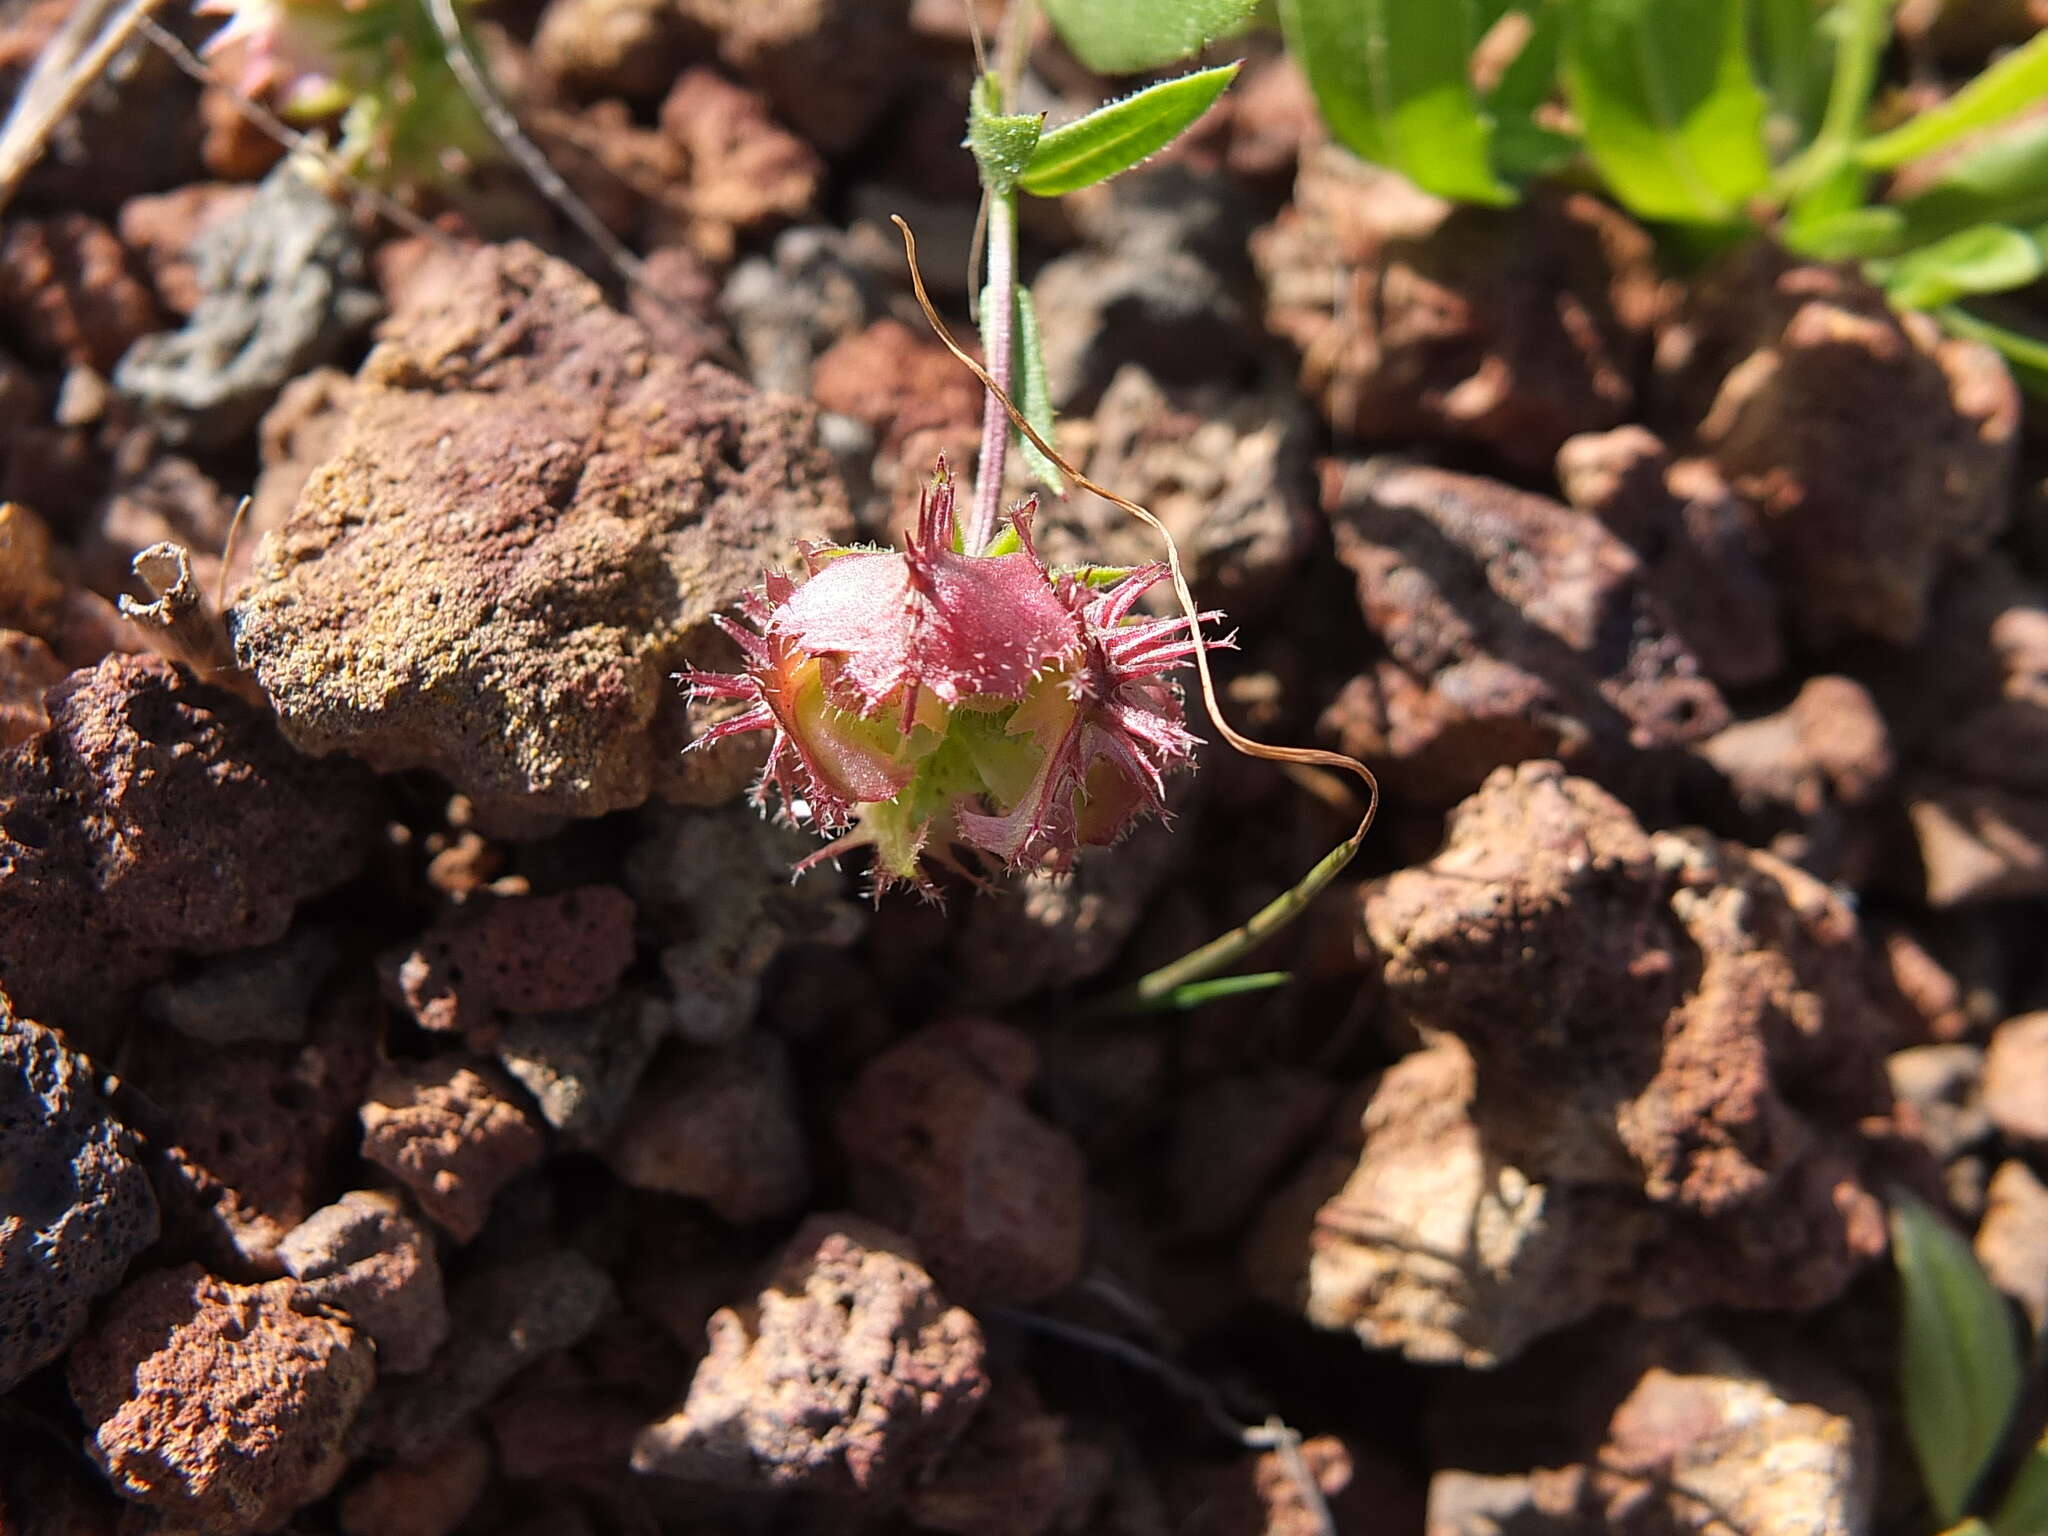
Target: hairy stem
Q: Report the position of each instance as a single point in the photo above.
(998, 338)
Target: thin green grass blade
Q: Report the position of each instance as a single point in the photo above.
(2003, 181)
(1959, 1363)
(1196, 993)
(1115, 137)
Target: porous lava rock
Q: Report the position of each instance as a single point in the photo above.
(221, 1407)
(66, 290)
(2016, 1079)
(1512, 628)
(529, 519)
(75, 1204)
(28, 669)
(158, 814)
(830, 67)
(1418, 319)
(1666, 1429)
(254, 1133)
(942, 1147)
(452, 1131)
(1652, 1061)
(507, 1316)
(1700, 544)
(365, 1257)
(498, 956)
(721, 1126)
(1877, 452)
(847, 1374)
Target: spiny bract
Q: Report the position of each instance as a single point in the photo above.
(924, 698)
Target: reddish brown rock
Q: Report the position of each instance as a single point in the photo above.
(27, 670)
(1512, 330)
(1234, 1137)
(899, 383)
(1653, 1059)
(222, 1407)
(366, 1258)
(573, 508)
(159, 231)
(744, 172)
(720, 1126)
(452, 1132)
(1701, 549)
(75, 1204)
(1265, 1492)
(1008, 1475)
(1877, 453)
(507, 1317)
(67, 292)
(942, 1147)
(2016, 1079)
(848, 1374)
(158, 814)
(829, 66)
(1668, 1430)
(493, 957)
(2012, 1239)
(255, 1132)
(628, 48)
(1512, 628)
(430, 1496)
(1226, 471)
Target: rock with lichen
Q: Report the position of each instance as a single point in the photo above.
(524, 529)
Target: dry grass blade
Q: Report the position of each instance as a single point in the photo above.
(67, 68)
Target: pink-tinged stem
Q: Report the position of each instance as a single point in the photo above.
(998, 323)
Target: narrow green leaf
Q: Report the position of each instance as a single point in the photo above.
(1116, 137)
(1788, 56)
(1857, 31)
(1033, 399)
(1858, 232)
(1959, 1363)
(1392, 78)
(2026, 356)
(1986, 258)
(1670, 109)
(1003, 143)
(1124, 37)
(2015, 83)
(2004, 181)
(1196, 993)
(2024, 1510)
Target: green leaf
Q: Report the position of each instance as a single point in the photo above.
(1987, 258)
(2015, 83)
(1033, 399)
(1003, 143)
(2024, 1511)
(2004, 181)
(1858, 232)
(1959, 1362)
(1858, 31)
(1393, 80)
(1522, 148)
(1124, 37)
(1116, 137)
(1196, 993)
(1671, 112)
(2026, 356)
(1788, 56)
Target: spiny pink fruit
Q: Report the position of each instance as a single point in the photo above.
(922, 699)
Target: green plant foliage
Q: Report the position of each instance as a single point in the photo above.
(1003, 143)
(2024, 1510)
(1115, 137)
(1670, 108)
(1988, 258)
(2008, 87)
(1196, 993)
(1393, 80)
(1522, 148)
(1122, 37)
(1959, 1362)
(2002, 181)
(1033, 399)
